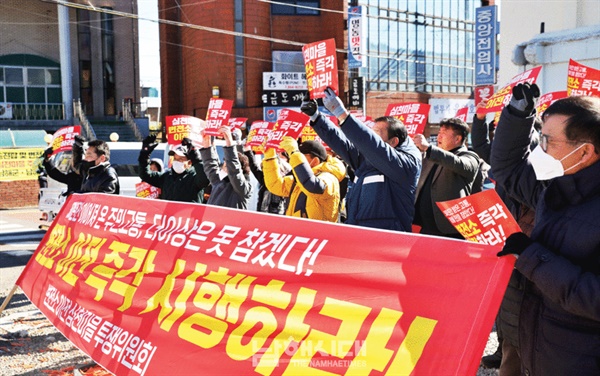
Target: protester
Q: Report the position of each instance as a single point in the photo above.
(385, 161)
(449, 171)
(156, 165)
(96, 172)
(184, 181)
(231, 186)
(71, 178)
(482, 136)
(559, 304)
(267, 201)
(314, 188)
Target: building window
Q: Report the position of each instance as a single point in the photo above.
(108, 64)
(296, 8)
(421, 46)
(34, 92)
(85, 61)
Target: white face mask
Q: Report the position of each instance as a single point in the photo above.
(178, 167)
(222, 174)
(547, 167)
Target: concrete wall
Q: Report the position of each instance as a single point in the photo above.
(520, 22)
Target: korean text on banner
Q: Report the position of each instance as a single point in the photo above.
(145, 190)
(237, 123)
(412, 115)
(259, 134)
(219, 111)
(289, 123)
(481, 217)
(64, 138)
(155, 287)
(502, 97)
(483, 93)
(547, 99)
(583, 80)
(309, 134)
(19, 164)
(357, 37)
(182, 126)
(320, 64)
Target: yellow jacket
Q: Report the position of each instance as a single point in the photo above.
(313, 193)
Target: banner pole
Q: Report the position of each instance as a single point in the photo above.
(8, 298)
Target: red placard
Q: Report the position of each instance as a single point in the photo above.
(219, 111)
(289, 123)
(145, 190)
(182, 126)
(413, 115)
(258, 135)
(547, 99)
(483, 92)
(481, 217)
(63, 139)
(156, 287)
(502, 97)
(237, 123)
(309, 134)
(582, 80)
(462, 113)
(320, 64)
(366, 120)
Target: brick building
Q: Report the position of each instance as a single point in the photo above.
(415, 51)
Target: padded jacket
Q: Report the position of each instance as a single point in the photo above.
(559, 299)
(382, 194)
(233, 191)
(313, 193)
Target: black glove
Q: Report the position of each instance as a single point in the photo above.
(79, 141)
(192, 153)
(515, 244)
(524, 99)
(149, 144)
(309, 106)
(47, 153)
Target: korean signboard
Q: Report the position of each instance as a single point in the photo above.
(485, 45)
(357, 38)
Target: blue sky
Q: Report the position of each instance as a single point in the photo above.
(149, 44)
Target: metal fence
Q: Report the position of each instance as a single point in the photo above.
(37, 111)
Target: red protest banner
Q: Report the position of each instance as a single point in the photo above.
(219, 111)
(582, 80)
(145, 190)
(155, 287)
(481, 217)
(462, 113)
(483, 92)
(309, 134)
(289, 123)
(63, 139)
(237, 123)
(413, 115)
(502, 97)
(258, 135)
(547, 99)
(320, 64)
(182, 126)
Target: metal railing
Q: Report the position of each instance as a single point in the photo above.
(37, 111)
(129, 118)
(85, 123)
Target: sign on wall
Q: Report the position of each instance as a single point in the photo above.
(357, 38)
(486, 23)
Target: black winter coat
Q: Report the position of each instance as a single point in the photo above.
(101, 178)
(559, 300)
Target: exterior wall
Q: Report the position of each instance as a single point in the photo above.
(520, 22)
(19, 194)
(189, 74)
(30, 27)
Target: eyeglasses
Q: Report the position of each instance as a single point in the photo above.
(544, 141)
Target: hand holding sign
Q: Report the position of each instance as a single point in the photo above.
(515, 244)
